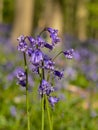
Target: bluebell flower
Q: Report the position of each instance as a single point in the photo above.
(22, 46)
(35, 69)
(53, 100)
(21, 77)
(69, 53)
(55, 39)
(53, 35)
(58, 73)
(20, 74)
(21, 38)
(48, 64)
(29, 52)
(40, 41)
(32, 41)
(45, 88)
(22, 83)
(13, 111)
(48, 46)
(36, 57)
(51, 30)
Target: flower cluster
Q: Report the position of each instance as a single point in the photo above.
(21, 76)
(41, 62)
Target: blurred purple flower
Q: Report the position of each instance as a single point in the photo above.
(53, 100)
(68, 53)
(22, 83)
(21, 75)
(13, 111)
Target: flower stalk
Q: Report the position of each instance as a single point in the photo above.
(27, 95)
(48, 112)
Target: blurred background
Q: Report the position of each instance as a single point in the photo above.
(77, 18)
(77, 22)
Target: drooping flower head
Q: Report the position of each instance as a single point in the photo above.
(48, 46)
(45, 88)
(49, 64)
(22, 44)
(21, 38)
(36, 57)
(59, 74)
(20, 74)
(40, 41)
(32, 41)
(53, 100)
(29, 52)
(53, 35)
(69, 53)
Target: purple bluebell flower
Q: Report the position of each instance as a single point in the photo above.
(22, 46)
(53, 100)
(53, 35)
(48, 64)
(13, 111)
(29, 52)
(69, 53)
(36, 57)
(40, 41)
(45, 88)
(21, 38)
(55, 39)
(22, 83)
(51, 30)
(35, 69)
(21, 75)
(58, 73)
(48, 46)
(32, 41)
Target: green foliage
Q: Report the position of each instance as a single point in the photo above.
(81, 81)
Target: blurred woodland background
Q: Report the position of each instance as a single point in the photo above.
(78, 18)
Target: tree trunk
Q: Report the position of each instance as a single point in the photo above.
(23, 18)
(52, 15)
(82, 20)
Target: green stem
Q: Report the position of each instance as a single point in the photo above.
(43, 112)
(53, 60)
(42, 31)
(48, 111)
(43, 97)
(57, 55)
(27, 95)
